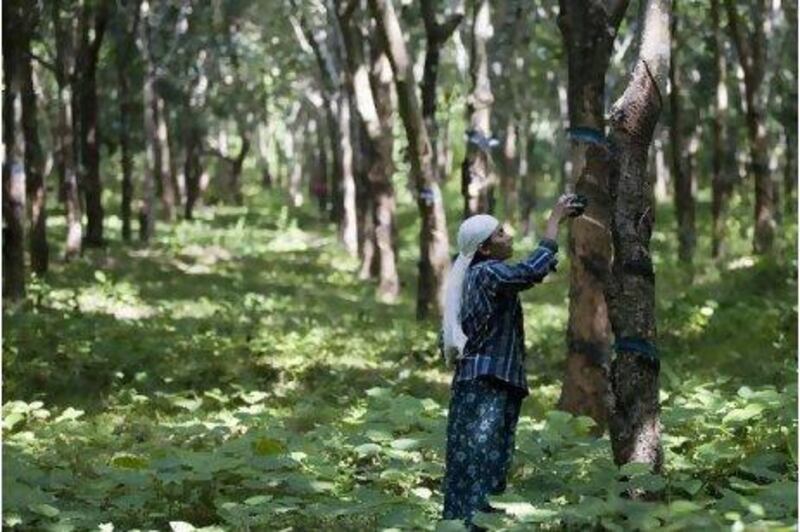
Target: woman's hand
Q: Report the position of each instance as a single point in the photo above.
(562, 210)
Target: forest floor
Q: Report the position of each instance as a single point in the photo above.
(235, 374)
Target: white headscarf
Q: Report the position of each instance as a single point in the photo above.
(473, 232)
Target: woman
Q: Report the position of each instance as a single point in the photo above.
(483, 335)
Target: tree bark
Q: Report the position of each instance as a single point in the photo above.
(192, 169)
(751, 50)
(382, 190)
(126, 160)
(436, 35)
(164, 174)
(720, 185)
(588, 31)
(238, 163)
(147, 209)
(94, 19)
(434, 246)
(14, 39)
(634, 423)
(67, 126)
(477, 179)
(527, 179)
(681, 172)
(34, 159)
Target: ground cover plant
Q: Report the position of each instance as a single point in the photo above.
(235, 375)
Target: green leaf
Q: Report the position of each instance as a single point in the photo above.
(268, 447)
(11, 420)
(129, 461)
(450, 525)
(405, 444)
(739, 415)
(100, 276)
(635, 469)
(44, 509)
(367, 449)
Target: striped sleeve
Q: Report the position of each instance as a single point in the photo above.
(524, 274)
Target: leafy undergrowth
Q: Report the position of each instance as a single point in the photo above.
(236, 375)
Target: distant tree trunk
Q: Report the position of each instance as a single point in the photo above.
(94, 19)
(508, 63)
(790, 170)
(125, 113)
(192, 169)
(634, 400)
(334, 187)
(789, 112)
(527, 179)
(588, 31)
(67, 125)
(34, 161)
(14, 39)
(509, 183)
(147, 210)
(434, 246)
(720, 185)
(163, 158)
(681, 173)
(751, 50)
(436, 35)
(382, 191)
(662, 176)
(238, 163)
(477, 180)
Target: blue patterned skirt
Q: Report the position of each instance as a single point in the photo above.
(481, 425)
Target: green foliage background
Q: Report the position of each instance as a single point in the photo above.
(236, 375)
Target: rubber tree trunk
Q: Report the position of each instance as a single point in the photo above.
(634, 423)
(720, 185)
(436, 35)
(238, 163)
(14, 159)
(147, 210)
(477, 179)
(93, 30)
(527, 179)
(192, 169)
(66, 131)
(433, 239)
(126, 160)
(34, 169)
(588, 31)
(508, 65)
(751, 49)
(163, 160)
(382, 190)
(371, 87)
(681, 171)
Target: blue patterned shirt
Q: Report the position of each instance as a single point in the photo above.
(491, 315)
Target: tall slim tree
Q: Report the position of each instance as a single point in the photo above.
(436, 35)
(371, 86)
(751, 49)
(477, 179)
(14, 38)
(433, 239)
(147, 208)
(588, 30)
(64, 28)
(681, 169)
(634, 411)
(126, 21)
(720, 184)
(93, 20)
(34, 157)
